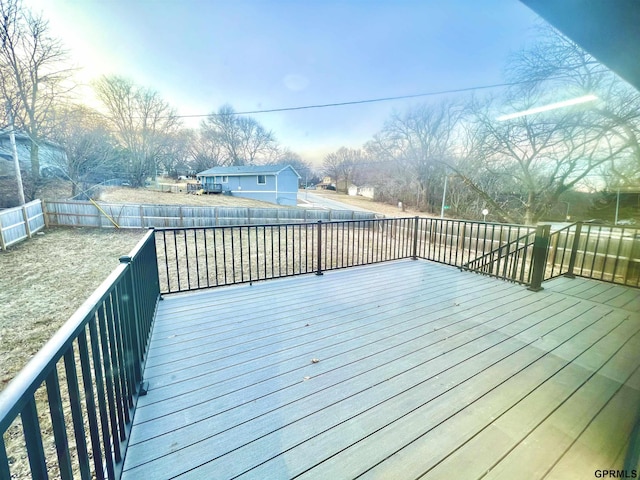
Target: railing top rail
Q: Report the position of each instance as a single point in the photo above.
(308, 222)
(356, 220)
(566, 227)
(29, 379)
(480, 222)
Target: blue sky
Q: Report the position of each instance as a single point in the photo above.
(200, 54)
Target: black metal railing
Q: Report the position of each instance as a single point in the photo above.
(512, 261)
(196, 258)
(494, 249)
(68, 413)
(610, 254)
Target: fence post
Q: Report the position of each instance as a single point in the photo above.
(319, 269)
(574, 251)
(25, 217)
(415, 238)
(45, 214)
(540, 248)
(3, 246)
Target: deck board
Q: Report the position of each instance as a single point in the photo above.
(610, 294)
(414, 357)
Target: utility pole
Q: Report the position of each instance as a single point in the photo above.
(444, 196)
(14, 149)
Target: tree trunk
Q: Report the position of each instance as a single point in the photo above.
(528, 214)
(35, 161)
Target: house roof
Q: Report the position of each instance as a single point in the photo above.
(247, 170)
(21, 136)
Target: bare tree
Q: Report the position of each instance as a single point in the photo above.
(243, 140)
(418, 141)
(205, 152)
(33, 73)
(536, 158)
(142, 122)
(342, 165)
(520, 167)
(304, 169)
(91, 154)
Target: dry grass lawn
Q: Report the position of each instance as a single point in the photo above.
(154, 197)
(45, 279)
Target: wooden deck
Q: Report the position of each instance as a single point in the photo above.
(401, 370)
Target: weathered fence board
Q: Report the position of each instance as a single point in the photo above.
(19, 223)
(86, 214)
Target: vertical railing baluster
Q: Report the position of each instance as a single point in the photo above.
(126, 354)
(574, 250)
(224, 254)
(186, 257)
(286, 250)
(595, 252)
(58, 423)
(109, 384)
(91, 405)
(100, 391)
(319, 249)
(197, 259)
(33, 440)
(4, 460)
(175, 249)
(115, 349)
(206, 253)
(249, 253)
(615, 264)
(215, 253)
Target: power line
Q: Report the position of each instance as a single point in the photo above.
(371, 100)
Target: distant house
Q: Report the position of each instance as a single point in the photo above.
(364, 191)
(269, 183)
(52, 156)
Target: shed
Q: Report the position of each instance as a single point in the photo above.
(269, 183)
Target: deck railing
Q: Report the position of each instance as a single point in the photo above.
(68, 413)
(610, 254)
(196, 258)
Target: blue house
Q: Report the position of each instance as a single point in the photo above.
(269, 183)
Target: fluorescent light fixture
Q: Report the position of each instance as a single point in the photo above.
(551, 106)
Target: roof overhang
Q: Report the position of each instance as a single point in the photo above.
(607, 29)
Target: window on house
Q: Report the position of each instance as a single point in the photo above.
(262, 179)
(224, 179)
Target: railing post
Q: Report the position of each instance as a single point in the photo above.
(540, 247)
(574, 251)
(136, 334)
(319, 269)
(415, 238)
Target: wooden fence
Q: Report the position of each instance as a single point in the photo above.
(19, 223)
(86, 214)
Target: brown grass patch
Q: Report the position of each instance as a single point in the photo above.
(45, 279)
(154, 197)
